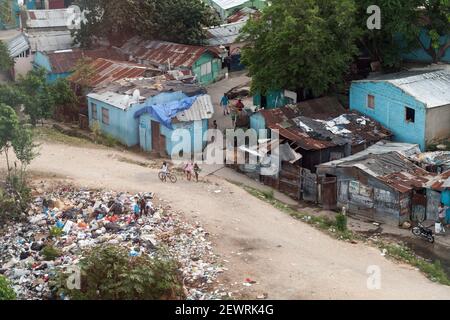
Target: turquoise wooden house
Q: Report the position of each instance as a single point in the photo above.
(200, 62)
(147, 112)
(9, 14)
(414, 105)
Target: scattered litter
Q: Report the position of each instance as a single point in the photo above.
(83, 219)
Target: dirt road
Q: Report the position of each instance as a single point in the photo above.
(288, 259)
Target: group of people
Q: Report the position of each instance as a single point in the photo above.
(142, 207)
(235, 110)
(190, 169)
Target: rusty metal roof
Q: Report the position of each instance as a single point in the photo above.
(312, 133)
(65, 60)
(106, 71)
(391, 168)
(441, 182)
(161, 53)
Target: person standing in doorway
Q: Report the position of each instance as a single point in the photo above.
(225, 103)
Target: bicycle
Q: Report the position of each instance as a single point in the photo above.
(164, 176)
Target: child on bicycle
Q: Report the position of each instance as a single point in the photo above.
(165, 171)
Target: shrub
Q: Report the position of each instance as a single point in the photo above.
(109, 273)
(6, 292)
(56, 232)
(341, 222)
(50, 253)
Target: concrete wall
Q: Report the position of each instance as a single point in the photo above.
(438, 124)
(390, 103)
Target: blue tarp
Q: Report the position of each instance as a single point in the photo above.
(164, 113)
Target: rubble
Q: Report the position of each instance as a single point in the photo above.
(88, 218)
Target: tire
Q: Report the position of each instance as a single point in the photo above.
(173, 178)
(416, 231)
(430, 239)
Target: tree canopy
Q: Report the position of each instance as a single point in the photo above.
(171, 20)
(404, 25)
(6, 62)
(301, 44)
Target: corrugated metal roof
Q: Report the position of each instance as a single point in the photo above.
(161, 53)
(243, 15)
(392, 168)
(65, 61)
(56, 18)
(50, 40)
(382, 147)
(202, 108)
(431, 87)
(225, 34)
(228, 4)
(18, 45)
(311, 133)
(106, 71)
(119, 93)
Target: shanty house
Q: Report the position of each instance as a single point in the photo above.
(203, 63)
(414, 105)
(226, 8)
(380, 185)
(438, 191)
(226, 35)
(61, 64)
(48, 30)
(146, 111)
(320, 130)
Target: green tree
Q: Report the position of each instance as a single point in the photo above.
(8, 128)
(402, 22)
(6, 62)
(24, 148)
(180, 21)
(11, 95)
(105, 18)
(64, 98)
(109, 273)
(37, 96)
(301, 44)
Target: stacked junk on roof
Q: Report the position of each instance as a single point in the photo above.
(339, 159)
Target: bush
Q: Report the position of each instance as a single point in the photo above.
(341, 222)
(50, 253)
(15, 197)
(6, 292)
(56, 232)
(109, 273)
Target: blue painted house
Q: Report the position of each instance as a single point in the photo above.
(147, 112)
(61, 63)
(414, 105)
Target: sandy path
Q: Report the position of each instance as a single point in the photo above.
(288, 259)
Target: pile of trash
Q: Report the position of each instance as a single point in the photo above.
(72, 221)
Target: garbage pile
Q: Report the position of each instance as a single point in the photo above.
(72, 221)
